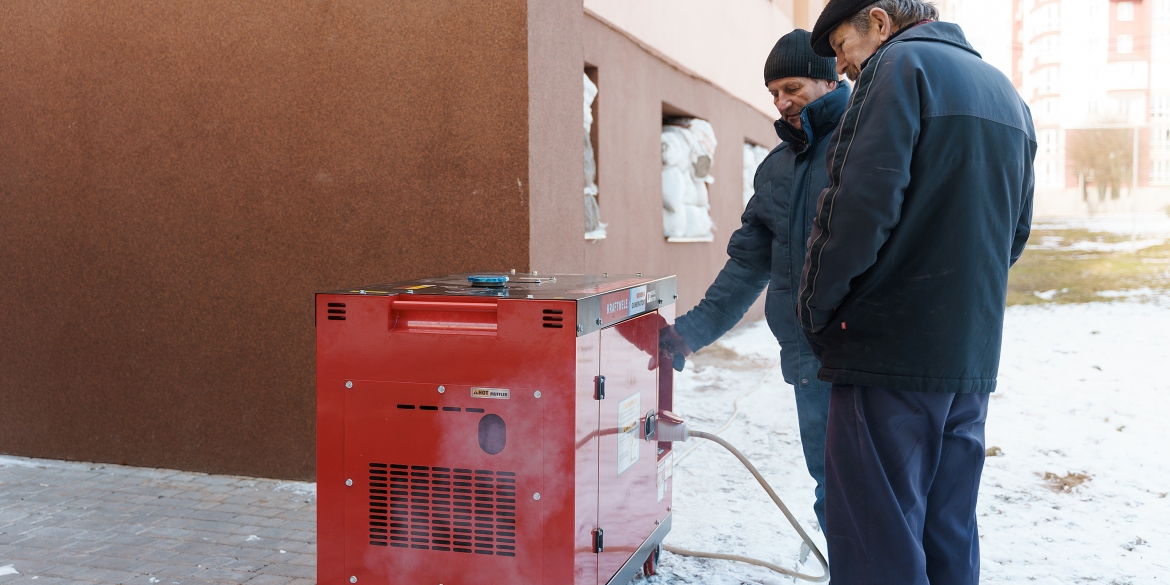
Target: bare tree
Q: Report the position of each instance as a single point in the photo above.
(1102, 156)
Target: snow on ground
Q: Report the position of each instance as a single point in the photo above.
(1148, 225)
(1084, 396)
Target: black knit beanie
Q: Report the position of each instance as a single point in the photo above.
(835, 12)
(793, 57)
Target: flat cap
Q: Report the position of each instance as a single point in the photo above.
(835, 12)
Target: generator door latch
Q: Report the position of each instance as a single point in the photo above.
(599, 388)
(598, 541)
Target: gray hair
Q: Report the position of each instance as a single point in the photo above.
(903, 13)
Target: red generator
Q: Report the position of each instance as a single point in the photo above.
(492, 429)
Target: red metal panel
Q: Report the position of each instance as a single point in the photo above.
(627, 463)
(428, 504)
(588, 421)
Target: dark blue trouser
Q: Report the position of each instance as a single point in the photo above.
(812, 412)
(901, 479)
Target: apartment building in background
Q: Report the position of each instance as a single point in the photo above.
(1096, 74)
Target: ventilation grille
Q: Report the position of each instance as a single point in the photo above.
(553, 318)
(337, 311)
(443, 509)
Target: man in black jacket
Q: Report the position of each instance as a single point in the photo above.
(768, 249)
(904, 286)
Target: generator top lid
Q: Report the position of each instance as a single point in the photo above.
(516, 286)
(602, 299)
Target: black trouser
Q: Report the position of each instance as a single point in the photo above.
(901, 482)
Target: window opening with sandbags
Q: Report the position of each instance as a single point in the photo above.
(688, 150)
(594, 229)
(753, 157)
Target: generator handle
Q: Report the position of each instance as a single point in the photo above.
(442, 306)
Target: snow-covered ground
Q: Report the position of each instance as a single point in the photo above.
(1084, 390)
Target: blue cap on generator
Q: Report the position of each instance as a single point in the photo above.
(487, 280)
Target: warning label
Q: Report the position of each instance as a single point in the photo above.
(501, 393)
(637, 300)
(628, 445)
(665, 470)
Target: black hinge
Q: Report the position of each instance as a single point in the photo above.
(598, 541)
(599, 388)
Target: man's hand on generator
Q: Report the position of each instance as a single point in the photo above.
(672, 346)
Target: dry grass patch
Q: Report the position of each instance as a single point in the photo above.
(1064, 271)
(1066, 483)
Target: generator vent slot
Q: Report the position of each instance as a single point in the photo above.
(551, 320)
(336, 311)
(443, 509)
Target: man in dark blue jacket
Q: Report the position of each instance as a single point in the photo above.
(904, 287)
(768, 250)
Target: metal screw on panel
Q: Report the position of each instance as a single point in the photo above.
(639, 274)
(533, 273)
(605, 275)
(580, 328)
(536, 394)
(353, 579)
(349, 482)
(349, 383)
(657, 522)
(409, 292)
(599, 320)
(513, 271)
(668, 508)
(536, 496)
(531, 297)
(442, 389)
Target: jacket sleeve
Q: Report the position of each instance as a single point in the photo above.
(738, 285)
(1024, 225)
(869, 170)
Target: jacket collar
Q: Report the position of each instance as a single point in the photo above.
(941, 32)
(818, 119)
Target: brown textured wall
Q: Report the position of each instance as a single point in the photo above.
(632, 86)
(555, 117)
(178, 179)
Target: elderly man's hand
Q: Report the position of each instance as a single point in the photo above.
(672, 346)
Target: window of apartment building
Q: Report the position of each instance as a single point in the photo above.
(1160, 106)
(1161, 138)
(1125, 11)
(1120, 106)
(1048, 17)
(1047, 107)
(1049, 79)
(1124, 44)
(1161, 42)
(1049, 142)
(1049, 43)
(1160, 174)
(1161, 10)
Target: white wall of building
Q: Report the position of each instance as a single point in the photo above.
(724, 41)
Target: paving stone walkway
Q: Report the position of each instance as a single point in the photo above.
(64, 522)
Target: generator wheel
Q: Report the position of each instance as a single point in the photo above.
(650, 567)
